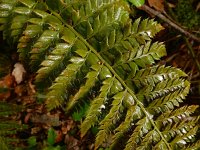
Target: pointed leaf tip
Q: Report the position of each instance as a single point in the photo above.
(137, 3)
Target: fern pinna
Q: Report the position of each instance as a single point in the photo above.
(92, 50)
(8, 126)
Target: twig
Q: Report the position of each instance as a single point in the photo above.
(170, 22)
(192, 53)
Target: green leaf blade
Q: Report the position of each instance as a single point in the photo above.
(137, 3)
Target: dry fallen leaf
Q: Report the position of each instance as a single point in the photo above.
(59, 136)
(6, 83)
(198, 7)
(20, 90)
(18, 72)
(32, 87)
(27, 117)
(72, 143)
(35, 130)
(170, 5)
(67, 126)
(51, 120)
(157, 4)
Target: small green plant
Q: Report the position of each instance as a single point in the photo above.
(48, 144)
(187, 15)
(32, 142)
(80, 112)
(51, 137)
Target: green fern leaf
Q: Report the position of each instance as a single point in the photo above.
(3, 144)
(54, 64)
(113, 116)
(58, 90)
(137, 3)
(155, 74)
(133, 113)
(97, 106)
(9, 126)
(90, 83)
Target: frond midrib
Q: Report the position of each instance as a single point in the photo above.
(114, 73)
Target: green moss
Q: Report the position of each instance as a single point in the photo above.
(186, 14)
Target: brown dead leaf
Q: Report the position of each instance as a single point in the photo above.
(50, 120)
(27, 118)
(170, 5)
(5, 95)
(20, 90)
(67, 126)
(59, 136)
(28, 100)
(198, 7)
(72, 143)
(35, 130)
(157, 4)
(32, 87)
(6, 83)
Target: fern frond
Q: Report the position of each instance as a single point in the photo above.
(92, 78)
(178, 126)
(143, 127)
(113, 116)
(54, 64)
(6, 109)
(3, 144)
(148, 54)
(97, 106)
(194, 146)
(9, 127)
(40, 48)
(58, 92)
(171, 100)
(133, 113)
(148, 28)
(155, 74)
(31, 32)
(164, 88)
(175, 127)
